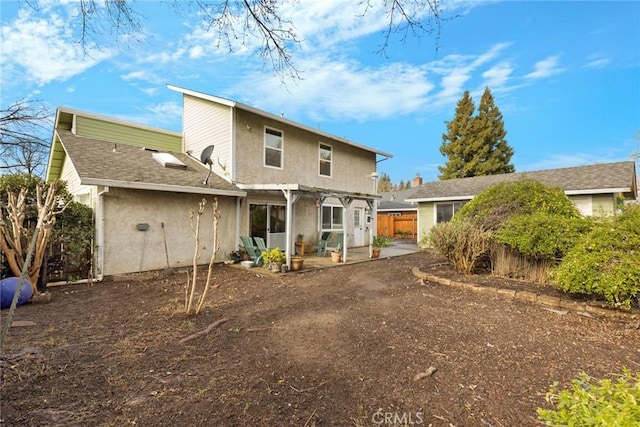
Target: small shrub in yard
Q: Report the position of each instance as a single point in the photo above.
(593, 402)
(606, 262)
(461, 242)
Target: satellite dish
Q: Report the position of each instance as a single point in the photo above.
(205, 157)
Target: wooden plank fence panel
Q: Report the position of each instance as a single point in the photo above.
(398, 225)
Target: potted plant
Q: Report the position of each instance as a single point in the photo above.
(297, 262)
(379, 242)
(274, 258)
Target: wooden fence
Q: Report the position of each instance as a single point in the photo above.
(405, 226)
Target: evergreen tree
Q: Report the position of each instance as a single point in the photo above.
(494, 153)
(457, 142)
(400, 186)
(384, 183)
(475, 145)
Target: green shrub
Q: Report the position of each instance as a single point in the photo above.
(491, 209)
(606, 262)
(543, 235)
(273, 255)
(593, 402)
(382, 242)
(461, 242)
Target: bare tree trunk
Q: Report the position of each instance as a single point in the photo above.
(195, 230)
(11, 236)
(216, 248)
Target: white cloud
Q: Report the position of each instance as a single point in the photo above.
(498, 75)
(165, 115)
(343, 90)
(43, 50)
(545, 68)
(196, 52)
(597, 61)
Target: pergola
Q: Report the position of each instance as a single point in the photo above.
(293, 192)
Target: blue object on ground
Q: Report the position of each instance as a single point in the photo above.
(8, 287)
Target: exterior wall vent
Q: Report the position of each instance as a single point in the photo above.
(168, 160)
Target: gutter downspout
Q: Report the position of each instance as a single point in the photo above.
(100, 235)
(237, 236)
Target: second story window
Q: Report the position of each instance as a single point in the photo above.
(273, 148)
(325, 159)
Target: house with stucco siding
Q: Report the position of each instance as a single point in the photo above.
(272, 177)
(597, 189)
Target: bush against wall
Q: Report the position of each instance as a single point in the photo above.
(493, 207)
(528, 246)
(513, 206)
(606, 262)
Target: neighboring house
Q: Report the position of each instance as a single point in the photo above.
(595, 189)
(272, 177)
(396, 217)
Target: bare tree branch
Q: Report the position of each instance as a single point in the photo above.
(22, 148)
(256, 21)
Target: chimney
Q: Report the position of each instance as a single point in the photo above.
(417, 181)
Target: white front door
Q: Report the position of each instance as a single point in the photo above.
(358, 226)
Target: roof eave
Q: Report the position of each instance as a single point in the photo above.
(160, 187)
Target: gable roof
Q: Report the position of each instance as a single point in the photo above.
(603, 178)
(239, 105)
(99, 162)
(107, 129)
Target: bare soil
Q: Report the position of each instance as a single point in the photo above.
(357, 345)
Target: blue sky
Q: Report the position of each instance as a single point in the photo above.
(566, 75)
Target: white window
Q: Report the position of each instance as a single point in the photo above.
(446, 211)
(332, 218)
(273, 148)
(325, 157)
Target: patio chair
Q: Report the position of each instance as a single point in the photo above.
(254, 254)
(262, 246)
(322, 243)
(333, 244)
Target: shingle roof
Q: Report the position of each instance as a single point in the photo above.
(617, 177)
(395, 200)
(100, 162)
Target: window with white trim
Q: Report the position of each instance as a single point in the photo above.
(446, 211)
(273, 142)
(332, 218)
(325, 157)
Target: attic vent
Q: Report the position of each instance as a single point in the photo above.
(168, 160)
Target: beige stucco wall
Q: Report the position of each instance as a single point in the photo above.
(127, 250)
(351, 166)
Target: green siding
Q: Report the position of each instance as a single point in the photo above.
(425, 219)
(131, 135)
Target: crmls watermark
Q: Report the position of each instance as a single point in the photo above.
(397, 418)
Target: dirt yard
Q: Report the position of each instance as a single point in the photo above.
(355, 345)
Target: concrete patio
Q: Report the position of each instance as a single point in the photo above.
(354, 255)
